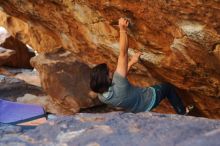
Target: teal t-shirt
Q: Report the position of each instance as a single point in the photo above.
(131, 98)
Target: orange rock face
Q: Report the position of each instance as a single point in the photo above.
(180, 39)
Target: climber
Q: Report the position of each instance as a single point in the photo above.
(117, 91)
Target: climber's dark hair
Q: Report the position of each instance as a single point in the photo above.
(99, 78)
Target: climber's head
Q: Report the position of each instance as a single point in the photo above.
(100, 79)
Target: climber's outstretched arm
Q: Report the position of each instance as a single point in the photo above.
(122, 65)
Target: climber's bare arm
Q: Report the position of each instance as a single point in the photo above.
(122, 65)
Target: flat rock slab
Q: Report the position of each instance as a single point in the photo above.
(117, 129)
(11, 88)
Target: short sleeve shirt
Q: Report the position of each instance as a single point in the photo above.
(123, 94)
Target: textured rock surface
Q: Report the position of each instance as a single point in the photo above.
(22, 85)
(5, 55)
(11, 88)
(66, 80)
(21, 57)
(30, 77)
(180, 39)
(124, 129)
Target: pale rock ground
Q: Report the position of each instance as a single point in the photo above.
(31, 77)
(116, 129)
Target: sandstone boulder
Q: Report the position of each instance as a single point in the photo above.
(66, 80)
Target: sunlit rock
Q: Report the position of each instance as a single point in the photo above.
(178, 39)
(31, 77)
(3, 34)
